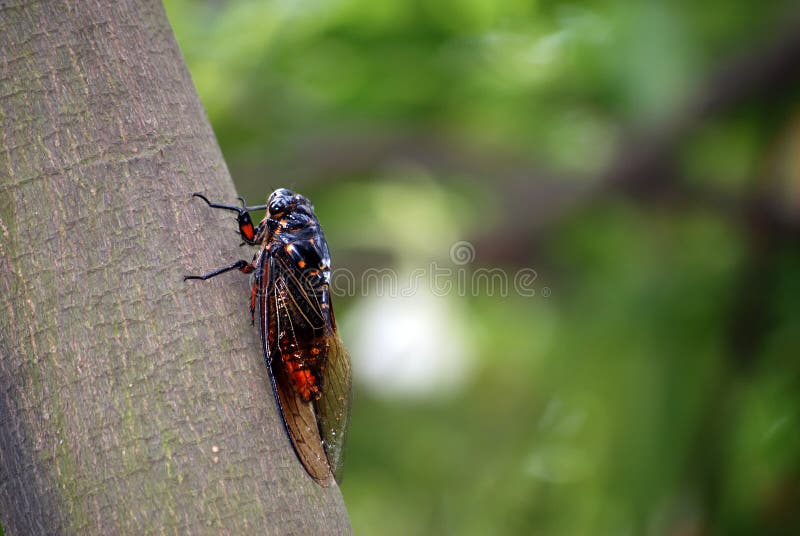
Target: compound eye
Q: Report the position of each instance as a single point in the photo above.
(278, 206)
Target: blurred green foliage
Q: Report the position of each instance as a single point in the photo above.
(656, 390)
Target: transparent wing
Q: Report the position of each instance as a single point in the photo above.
(298, 417)
(301, 425)
(333, 407)
(309, 296)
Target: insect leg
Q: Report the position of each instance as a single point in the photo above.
(247, 230)
(241, 265)
(254, 207)
(256, 286)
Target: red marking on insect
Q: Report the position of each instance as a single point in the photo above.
(308, 364)
(248, 231)
(306, 384)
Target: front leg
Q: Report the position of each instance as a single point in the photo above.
(247, 230)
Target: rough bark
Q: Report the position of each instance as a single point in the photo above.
(130, 402)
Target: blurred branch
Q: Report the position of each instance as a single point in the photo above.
(766, 72)
(646, 166)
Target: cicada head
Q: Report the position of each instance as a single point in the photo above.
(283, 202)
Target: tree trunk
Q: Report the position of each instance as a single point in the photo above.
(130, 402)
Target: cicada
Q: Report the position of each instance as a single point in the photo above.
(308, 365)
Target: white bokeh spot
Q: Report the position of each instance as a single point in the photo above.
(409, 346)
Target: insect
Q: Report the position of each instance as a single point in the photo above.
(308, 365)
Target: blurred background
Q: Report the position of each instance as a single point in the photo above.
(610, 194)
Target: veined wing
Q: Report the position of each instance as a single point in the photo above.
(308, 292)
(312, 297)
(333, 407)
(298, 416)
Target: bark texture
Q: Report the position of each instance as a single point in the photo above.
(130, 402)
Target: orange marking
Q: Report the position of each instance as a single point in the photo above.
(315, 351)
(311, 240)
(306, 384)
(248, 231)
(289, 248)
(301, 263)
